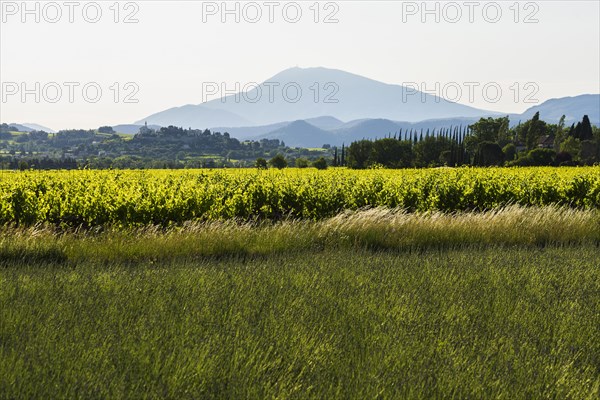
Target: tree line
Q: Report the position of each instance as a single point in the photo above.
(488, 142)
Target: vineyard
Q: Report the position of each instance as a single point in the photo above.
(136, 198)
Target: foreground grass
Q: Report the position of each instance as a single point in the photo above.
(339, 323)
(370, 304)
(375, 229)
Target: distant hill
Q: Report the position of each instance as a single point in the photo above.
(249, 132)
(28, 127)
(367, 129)
(301, 134)
(253, 132)
(574, 108)
(326, 122)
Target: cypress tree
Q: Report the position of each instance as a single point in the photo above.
(335, 157)
(577, 133)
(586, 132)
(572, 130)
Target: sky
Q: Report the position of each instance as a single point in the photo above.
(84, 64)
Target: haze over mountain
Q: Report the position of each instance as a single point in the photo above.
(28, 127)
(348, 107)
(303, 93)
(573, 108)
(195, 116)
(301, 134)
(304, 134)
(324, 123)
(328, 129)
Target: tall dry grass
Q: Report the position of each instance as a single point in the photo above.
(377, 228)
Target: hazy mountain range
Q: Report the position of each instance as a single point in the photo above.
(318, 131)
(347, 107)
(340, 108)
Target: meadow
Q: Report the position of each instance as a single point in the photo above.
(337, 284)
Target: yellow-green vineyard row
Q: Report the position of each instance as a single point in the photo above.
(130, 198)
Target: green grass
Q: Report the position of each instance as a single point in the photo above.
(518, 322)
(370, 304)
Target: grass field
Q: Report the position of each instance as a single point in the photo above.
(371, 304)
(490, 323)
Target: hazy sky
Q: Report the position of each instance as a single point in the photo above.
(175, 46)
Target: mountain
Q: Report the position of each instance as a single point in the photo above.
(308, 134)
(317, 101)
(194, 116)
(253, 132)
(307, 93)
(573, 108)
(301, 134)
(367, 129)
(249, 132)
(325, 122)
(28, 127)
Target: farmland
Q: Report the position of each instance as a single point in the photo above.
(134, 198)
(464, 283)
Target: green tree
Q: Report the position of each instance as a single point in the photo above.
(586, 132)
(536, 129)
(320, 163)
(429, 150)
(358, 154)
(392, 153)
(504, 132)
(301, 162)
(106, 129)
(260, 163)
(510, 152)
(489, 153)
(490, 129)
(572, 146)
(559, 135)
(542, 157)
(278, 162)
(589, 151)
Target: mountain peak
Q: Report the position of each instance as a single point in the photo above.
(306, 93)
(322, 74)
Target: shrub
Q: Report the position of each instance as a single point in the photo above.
(321, 163)
(260, 163)
(510, 152)
(278, 162)
(301, 162)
